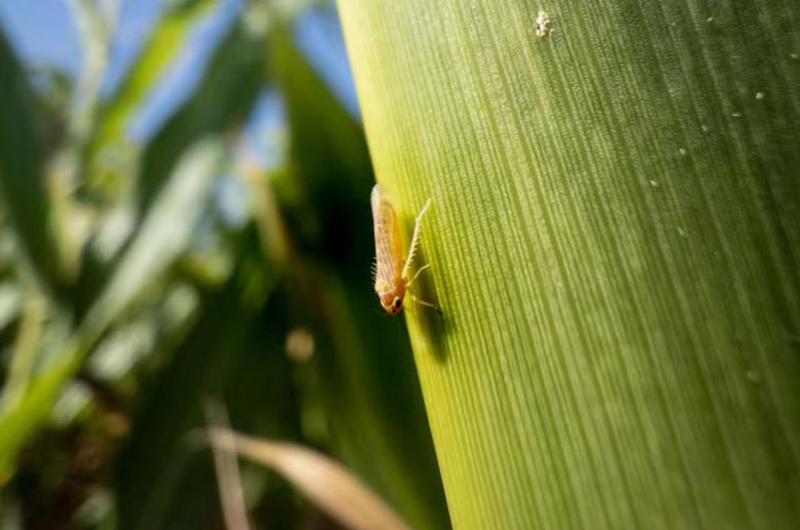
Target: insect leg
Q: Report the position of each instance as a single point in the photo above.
(410, 282)
(426, 304)
(414, 239)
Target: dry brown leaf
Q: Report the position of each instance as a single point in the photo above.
(328, 485)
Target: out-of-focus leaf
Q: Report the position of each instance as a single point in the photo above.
(221, 101)
(21, 422)
(110, 142)
(141, 344)
(22, 186)
(94, 25)
(53, 87)
(382, 435)
(163, 482)
(164, 233)
(327, 484)
(262, 399)
(224, 98)
(267, 217)
(228, 474)
(10, 303)
(326, 139)
(289, 9)
(23, 352)
(328, 153)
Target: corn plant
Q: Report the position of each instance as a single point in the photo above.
(614, 238)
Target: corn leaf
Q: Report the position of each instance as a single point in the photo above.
(614, 238)
(161, 49)
(164, 234)
(22, 184)
(222, 100)
(326, 483)
(163, 480)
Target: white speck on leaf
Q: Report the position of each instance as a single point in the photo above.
(543, 25)
(759, 95)
(654, 183)
(736, 114)
(682, 151)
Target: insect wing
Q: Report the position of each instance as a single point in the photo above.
(388, 243)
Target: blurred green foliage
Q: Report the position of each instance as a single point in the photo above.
(129, 296)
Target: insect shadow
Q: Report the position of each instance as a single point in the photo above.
(435, 325)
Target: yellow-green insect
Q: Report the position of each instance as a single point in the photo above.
(391, 268)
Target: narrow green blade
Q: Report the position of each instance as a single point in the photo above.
(22, 185)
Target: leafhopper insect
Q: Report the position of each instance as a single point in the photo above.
(392, 281)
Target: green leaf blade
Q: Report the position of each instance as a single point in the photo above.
(162, 46)
(22, 180)
(614, 240)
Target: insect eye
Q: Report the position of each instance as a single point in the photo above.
(397, 303)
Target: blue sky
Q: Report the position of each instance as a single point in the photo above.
(43, 34)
